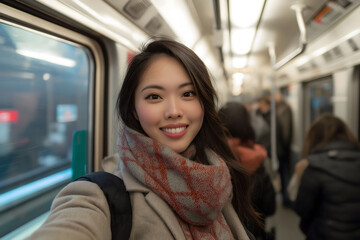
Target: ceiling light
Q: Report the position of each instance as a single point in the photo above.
(244, 13)
(241, 40)
(237, 82)
(180, 19)
(239, 61)
(236, 91)
(238, 79)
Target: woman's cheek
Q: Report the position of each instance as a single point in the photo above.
(147, 113)
(196, 110)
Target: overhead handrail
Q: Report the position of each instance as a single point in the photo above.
(298, 8)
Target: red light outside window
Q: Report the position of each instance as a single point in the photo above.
(9, 116)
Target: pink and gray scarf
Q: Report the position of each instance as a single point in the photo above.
(196, 192)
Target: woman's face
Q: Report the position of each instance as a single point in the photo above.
(263, 106)
(166, 104)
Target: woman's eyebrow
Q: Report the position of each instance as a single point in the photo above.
(162, 88)
(153, 86)
(186, 84)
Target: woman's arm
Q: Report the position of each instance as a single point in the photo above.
(295, 179)
(300, 168)
(79, 211)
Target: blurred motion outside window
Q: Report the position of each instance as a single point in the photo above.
(44, 99)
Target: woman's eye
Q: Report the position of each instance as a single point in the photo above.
(153, 97)
(189, 94)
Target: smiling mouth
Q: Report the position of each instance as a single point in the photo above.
(175, 132)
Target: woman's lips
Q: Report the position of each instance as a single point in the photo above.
(174, 131)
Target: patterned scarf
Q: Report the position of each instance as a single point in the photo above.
(196, 192)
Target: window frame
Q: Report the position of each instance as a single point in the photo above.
(15, 17)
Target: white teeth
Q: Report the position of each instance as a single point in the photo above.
(174, 130)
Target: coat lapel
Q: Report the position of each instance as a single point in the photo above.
(155, 202)
(234, 222)
(166, 214)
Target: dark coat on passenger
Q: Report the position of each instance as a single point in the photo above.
(263, 199)
(263, 192)
(328, 200)
(284, 116)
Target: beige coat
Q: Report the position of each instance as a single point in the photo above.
(80, 211)
(295, 180)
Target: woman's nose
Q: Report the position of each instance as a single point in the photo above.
(173, 109)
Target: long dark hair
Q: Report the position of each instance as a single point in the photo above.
(325, 129)
(236, 119)
(211, 134)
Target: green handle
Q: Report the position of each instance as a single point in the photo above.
(79, 154)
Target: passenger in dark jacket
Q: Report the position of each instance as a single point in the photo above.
(328, 199)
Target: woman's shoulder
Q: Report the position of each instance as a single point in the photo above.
(79, 211)
(80, 190)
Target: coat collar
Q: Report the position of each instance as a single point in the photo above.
(336, 145)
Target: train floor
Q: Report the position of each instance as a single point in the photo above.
(286, 223)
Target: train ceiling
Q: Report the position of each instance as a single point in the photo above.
(277, 25)
(209, 27)
(274, 22)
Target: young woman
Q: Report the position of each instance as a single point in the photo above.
(329, 193)
(241, 138)
(180, 173)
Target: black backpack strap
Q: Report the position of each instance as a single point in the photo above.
(118, 199)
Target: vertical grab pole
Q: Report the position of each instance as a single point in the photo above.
(274, 159)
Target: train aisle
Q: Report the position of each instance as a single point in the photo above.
(286, 222)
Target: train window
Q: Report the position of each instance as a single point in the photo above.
(44, 99)
(318, 98)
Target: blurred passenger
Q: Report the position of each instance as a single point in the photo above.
(283, 141)
(283, 116)
(264, 112)
(258, 123)
(328, 199)
(241, 138)
(261, 129)
(174, 160)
